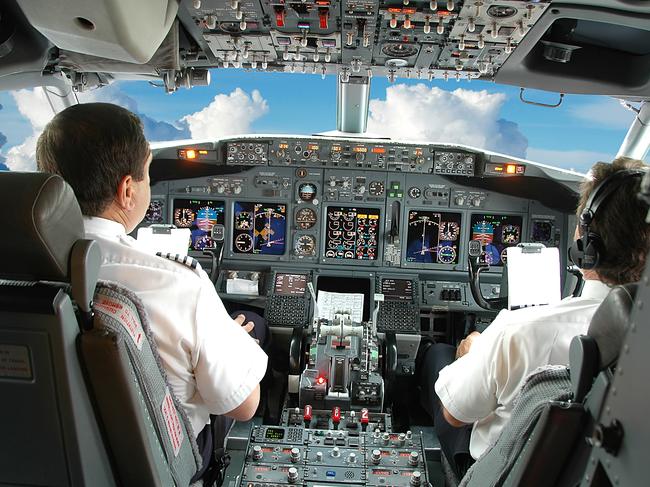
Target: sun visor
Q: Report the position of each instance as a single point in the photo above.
(123, 30)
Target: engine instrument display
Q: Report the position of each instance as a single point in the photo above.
(259, 228)
(432, 237)
(397, 289)
(290, 284)
(200, 216)
(496, 233)
(352, 233)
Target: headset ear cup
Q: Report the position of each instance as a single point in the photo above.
(593, 251)
(576, 252)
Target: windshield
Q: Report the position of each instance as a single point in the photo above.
(584, 129)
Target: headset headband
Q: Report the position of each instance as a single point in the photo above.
(602, 192)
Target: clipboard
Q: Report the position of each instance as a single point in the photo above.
(165, 239)
(533, 275)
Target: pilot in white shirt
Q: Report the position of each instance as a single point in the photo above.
(481, 386)
(212, 364)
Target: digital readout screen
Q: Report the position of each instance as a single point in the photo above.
(259, 228)
(496, 233)
(274, 434)
(432, 237)
(352, 233)
(200, 216)
(290, 284)
(397, 289)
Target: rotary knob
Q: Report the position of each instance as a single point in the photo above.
(376, 457)
(401, 439)
(459, 200)
(295, 455)
(414, 459)
(416, 478)
(336, 452)
(352, 458)
(220, 188)
(377, 434)
(319, 456)
(476, 201)
(257, 452)
(292, 475)
(409, 435)
(236, 189)
(332, 183)
(385, 438)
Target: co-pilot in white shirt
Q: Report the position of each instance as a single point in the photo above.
(212, 363)
(481, 386)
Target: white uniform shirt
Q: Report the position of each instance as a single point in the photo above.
(481, 386)
(212, 364)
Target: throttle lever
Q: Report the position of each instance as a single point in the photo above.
(216, 252)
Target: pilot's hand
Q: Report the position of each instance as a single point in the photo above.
(466, 344)
(248, 327)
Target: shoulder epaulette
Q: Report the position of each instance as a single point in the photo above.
(186, 260)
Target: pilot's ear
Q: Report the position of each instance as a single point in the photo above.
(125, 193)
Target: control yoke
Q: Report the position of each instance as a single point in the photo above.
(478, 264)
(216, 251)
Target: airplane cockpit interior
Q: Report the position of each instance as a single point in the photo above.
(361, 252)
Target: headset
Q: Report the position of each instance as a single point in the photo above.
(588, 250)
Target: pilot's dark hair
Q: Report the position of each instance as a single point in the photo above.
(620, 222)
(93, 146)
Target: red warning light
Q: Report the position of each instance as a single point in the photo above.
(320, 381)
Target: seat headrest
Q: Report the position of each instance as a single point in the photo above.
(41, 221)
(610, 322)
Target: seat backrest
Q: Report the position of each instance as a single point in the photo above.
(50, 435)
(97, 419)
(127, 378)
(543, 443)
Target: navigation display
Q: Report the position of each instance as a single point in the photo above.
(432, 237)
(199, 216)
(397, 289)
(290, 284)
(259, 228)
(496, 233)
(352, 233)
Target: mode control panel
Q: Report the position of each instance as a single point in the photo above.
(454, 163)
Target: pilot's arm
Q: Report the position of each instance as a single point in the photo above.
(228, 363)
(467, 388)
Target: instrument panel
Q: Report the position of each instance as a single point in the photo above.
(343, 206)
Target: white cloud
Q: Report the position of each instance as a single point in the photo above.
(33, 105)
(577, 160)
(227, 115)
(461, 116)
(607, 112)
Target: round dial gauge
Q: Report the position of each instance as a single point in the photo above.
(446, 255)
(449, 231)
(305, 245)
(511, 234)
(183, 217)
(244, 243)
(306, 218)
(204, 242)
(376, 188)
(307, 191)
(243, 221)
(414, 192)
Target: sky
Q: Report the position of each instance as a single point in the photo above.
(583, 130)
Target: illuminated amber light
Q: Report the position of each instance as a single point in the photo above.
(511, 168)
(190, 154)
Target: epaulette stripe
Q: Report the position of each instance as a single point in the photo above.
(194, 263)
